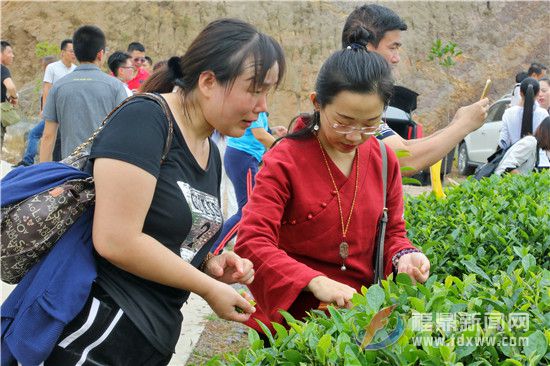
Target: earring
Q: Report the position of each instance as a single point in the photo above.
(316, 128)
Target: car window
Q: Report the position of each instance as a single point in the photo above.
(496, 111)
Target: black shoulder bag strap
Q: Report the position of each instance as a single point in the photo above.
(79, 155)
(379, 253)
(537, 161)
(160, 100)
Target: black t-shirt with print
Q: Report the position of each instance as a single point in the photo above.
(5, 74)
(184, 214)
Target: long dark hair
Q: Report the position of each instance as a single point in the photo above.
(352, 69)
(529, 87)
(222, 47)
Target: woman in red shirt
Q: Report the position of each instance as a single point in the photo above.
(310, 224)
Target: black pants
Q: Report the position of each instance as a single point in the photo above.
(101, 334)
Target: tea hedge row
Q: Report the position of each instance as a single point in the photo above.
(489, 245)
(482, 226)
(335, 339)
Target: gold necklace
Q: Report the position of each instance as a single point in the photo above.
(344, 246)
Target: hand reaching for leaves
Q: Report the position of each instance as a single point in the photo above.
(416, 265)
(229, 268)
(331, 292)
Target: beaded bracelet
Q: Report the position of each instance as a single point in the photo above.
(399, 254)
(202, 267)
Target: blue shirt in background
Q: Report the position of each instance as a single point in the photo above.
(248, 143)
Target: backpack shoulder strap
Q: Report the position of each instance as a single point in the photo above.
(77, 153)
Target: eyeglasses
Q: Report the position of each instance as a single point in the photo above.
(347, 129)
(139, 59)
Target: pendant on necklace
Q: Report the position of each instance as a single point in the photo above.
(344, 252)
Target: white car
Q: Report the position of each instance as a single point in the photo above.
(477, 146)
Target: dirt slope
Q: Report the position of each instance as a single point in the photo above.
(498, 39)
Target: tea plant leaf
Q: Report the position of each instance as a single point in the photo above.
(473, 267)
(527, 262)
(375, 297)
(293, 356)
(535, 347)
(323, 347)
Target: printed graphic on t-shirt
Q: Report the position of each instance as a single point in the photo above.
(206, 219)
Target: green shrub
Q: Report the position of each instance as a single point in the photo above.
(488, 243)
(484, 226)
(333, 340)
(45, 48)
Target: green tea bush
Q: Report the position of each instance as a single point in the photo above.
(488, 243)
(484, 226)
(334, 339)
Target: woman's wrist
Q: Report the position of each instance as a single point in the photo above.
(204, 263)
(399, 254)
(312, 283)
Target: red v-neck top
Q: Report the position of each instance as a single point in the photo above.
(291, 230)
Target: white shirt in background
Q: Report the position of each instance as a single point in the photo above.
(522, 156)
(511, 124)
(56, 70)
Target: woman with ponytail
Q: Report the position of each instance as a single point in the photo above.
(157, 214)
(310, 225)
(521, 120)
(529, 153)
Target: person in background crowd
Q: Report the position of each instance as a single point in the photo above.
(520, 120)
(242, 159)
(9, 90)
(384, 27)
(79, 101)
(137, 51)
(536, 71)
(148, 64)
(521, 158)
(154, 223)
(58, 69)
(544, 94)
(160, 64)
(310, 225)
(120, 64)
(54, 71)
(520, 76)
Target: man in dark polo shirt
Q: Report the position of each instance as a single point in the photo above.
(79, 101)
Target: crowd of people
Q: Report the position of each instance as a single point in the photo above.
(308, 221)
(525, 132)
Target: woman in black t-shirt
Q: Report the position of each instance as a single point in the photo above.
(154, 223)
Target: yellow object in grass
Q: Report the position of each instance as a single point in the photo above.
(435, 176)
